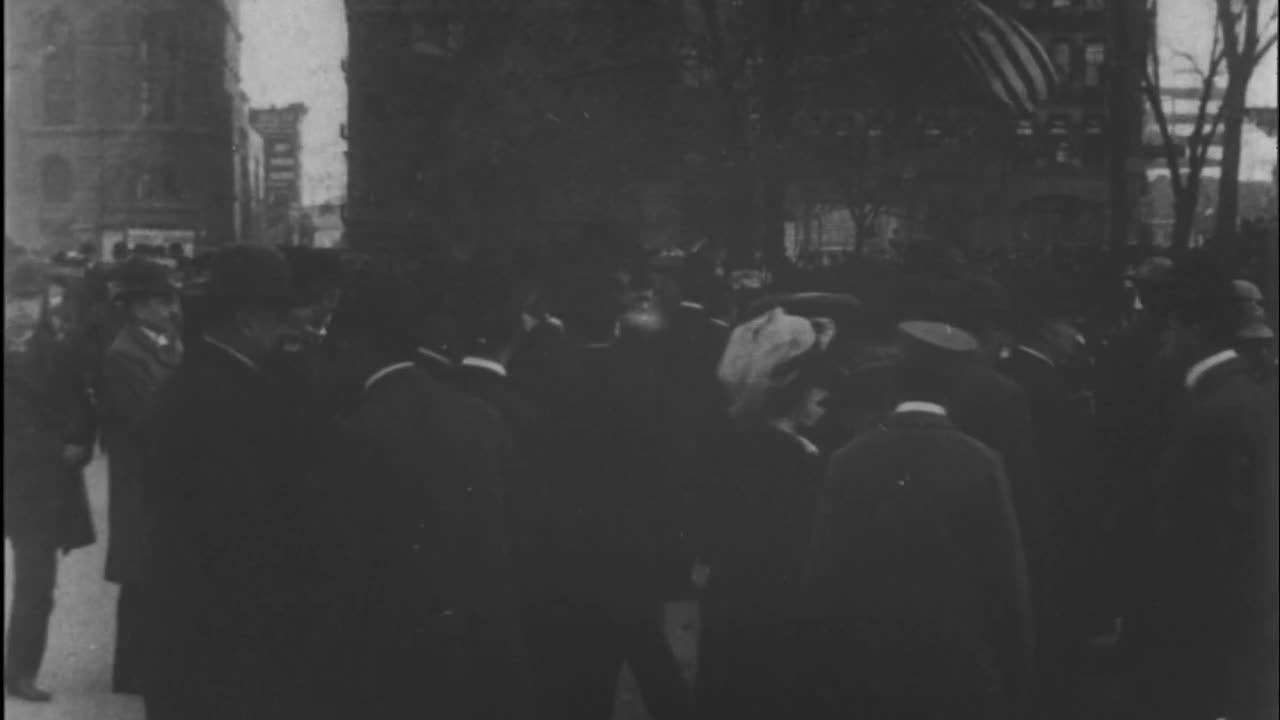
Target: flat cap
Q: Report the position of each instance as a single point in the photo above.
(253, 273)
(934, 343)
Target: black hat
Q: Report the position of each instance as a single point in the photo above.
(249, 273)
(29, 279)
(380, 306)
(314, 272)
(490, 297)
(975, 302)
(1202, 294)
(140, 277)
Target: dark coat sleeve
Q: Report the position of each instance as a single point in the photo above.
(130, 390)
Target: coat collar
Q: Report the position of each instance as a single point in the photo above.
(384, 372)
(1208, 365)
(485, 364)
(231, 352)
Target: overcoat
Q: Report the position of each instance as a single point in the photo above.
(429, 573)
(756, 540)
(47, 406)
(233, 556)
(135, 369)
(916, 581)
(1209, 615)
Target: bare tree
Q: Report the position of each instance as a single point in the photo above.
(1246, 40)
(1185, 171)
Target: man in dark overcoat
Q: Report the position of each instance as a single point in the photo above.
(429, 576)
(491, 325)
(138, 363)
(48, 439)
(988, 405)
(1064, 573)
(234, 563)
(916, 597)
(1206, 629)
(619, 537)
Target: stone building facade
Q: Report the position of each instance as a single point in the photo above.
(122, 117)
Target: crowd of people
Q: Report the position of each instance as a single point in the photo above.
(469, 491)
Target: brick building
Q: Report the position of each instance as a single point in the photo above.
(281, 132)
(1071, 173)
(121, 117)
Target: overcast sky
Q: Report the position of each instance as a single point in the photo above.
(292, 53)
(292, 50)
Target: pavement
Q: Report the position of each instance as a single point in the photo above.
(77, 668)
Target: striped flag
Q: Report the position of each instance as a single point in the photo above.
(1004, 55)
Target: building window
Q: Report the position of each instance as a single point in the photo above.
(157, 101)
(1061, 52)
(59, 71)
(156, 185)
(1095, 60)
(1061, 147)
(1095, 143)
(115, 185)
(158, 45)
(55, 179)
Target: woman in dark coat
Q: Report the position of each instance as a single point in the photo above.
(757, 530)
(48, 436)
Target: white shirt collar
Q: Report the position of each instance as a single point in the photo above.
(692, 305)
(921, 407)
(233, 353)
(433, 355)
(394, 367)
(1037, 354)
(159, 339)
(1198, 370)
(485, 364)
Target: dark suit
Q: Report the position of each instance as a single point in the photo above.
(994, 409)
(1207, 626)
(528, 513)
(917, 587)
(617, 534)
(236, 571)
(46, 407)
(755, 545)
(135, 369)
(429, 579)
(1066, 578)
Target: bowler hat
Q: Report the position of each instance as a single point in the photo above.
(140, 277)
(249, 273)
(314, 272)
(380, 306)
(1246, 290)
(29, 279)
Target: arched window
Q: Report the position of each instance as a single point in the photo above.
(55, 179)
(59, 71)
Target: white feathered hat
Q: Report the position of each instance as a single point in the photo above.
(764, 356)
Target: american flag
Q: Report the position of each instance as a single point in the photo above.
(1004, 55)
